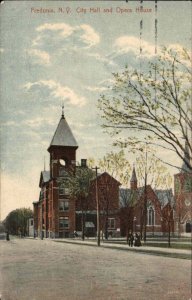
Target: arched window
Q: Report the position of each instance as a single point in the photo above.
(150, 216)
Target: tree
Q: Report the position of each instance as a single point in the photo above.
(150, 171)
(118, 167)
(16, 221)
(128, 199)
(156, 104)
(79, 186)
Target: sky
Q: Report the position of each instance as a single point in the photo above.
(67, 55)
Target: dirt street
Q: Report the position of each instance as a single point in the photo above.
(36, 270)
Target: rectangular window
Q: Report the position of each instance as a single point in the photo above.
(63, 205)
(61, 191)
(64, 222)
(111, 223)
(63, 188)
(66, 191)
(31, 222)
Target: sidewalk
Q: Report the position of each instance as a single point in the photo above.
(168, 252)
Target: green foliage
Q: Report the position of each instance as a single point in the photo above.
(117, 166)
(16, 221)
(147, 164)
(79, 182)
(154, 106)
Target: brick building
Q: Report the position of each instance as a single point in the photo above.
(159, 209)
(183, 198)
(56, 213)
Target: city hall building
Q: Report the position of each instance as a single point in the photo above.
(56, 213)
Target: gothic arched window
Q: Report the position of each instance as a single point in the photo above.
(151, 216)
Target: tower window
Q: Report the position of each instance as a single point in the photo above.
(62, 162)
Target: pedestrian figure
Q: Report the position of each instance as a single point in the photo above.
(131, 240)
(75, 234)
(7, 236)
(139, 240)
(136, 240)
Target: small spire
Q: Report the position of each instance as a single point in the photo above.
(62, 111)
(133, 180)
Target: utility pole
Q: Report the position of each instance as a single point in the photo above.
(98, 208)
(145, 197)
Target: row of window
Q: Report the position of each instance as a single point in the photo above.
(64, 223)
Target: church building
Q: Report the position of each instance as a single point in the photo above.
(140, 205)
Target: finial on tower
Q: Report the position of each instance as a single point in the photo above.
(62, 111)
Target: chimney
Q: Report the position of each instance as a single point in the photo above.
(83, 163)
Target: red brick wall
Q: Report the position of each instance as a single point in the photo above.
(181, 196)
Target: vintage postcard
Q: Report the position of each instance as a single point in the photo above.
(96, 150)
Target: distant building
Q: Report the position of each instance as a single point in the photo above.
(56, 213)
(30, 227)
(158, 211)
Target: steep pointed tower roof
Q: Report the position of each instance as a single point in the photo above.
(63, 135)
(133, 181)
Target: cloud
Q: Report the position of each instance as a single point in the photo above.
(42, 57)
(84, 33)
(101, 58)
(9, 123)
(104, 85)
(65, 30)
(125, 44)
(2, 50)
(39, 121)
(89, 36)
(96, 88)
(57, 91)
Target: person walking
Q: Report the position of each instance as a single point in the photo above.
(131, 240)
(7, 236)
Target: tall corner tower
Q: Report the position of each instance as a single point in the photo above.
(62, 149)
(61, 207)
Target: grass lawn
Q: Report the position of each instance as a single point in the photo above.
(178, 245)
